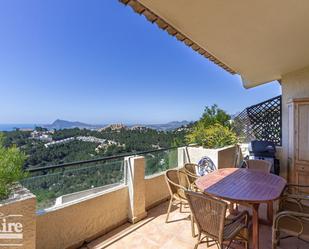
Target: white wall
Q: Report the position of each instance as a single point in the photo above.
(72, 224)
(195, 154)
(156, 190)
(222, 157)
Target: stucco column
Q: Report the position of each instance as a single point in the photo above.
(135, 167)
(18, 221)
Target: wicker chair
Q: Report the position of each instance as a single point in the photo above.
(177, 185)
(290, 224)
(259, 165)
(190, 170)
(295, 198)
(210, 217)
(292, 220)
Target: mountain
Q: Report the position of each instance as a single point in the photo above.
(64, 124)
(168, 126)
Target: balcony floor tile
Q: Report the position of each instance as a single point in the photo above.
(154, 233)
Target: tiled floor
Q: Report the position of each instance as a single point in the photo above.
(154, 233)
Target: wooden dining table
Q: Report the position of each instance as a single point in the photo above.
(244, 186)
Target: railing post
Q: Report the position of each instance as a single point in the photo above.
(181, 156)
(135, 178)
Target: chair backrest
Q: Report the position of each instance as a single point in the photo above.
(209, 214)
(184, 180)
(175, 185)
(190, 169)
(238, 156)
(259, 165)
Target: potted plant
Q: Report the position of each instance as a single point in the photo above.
(11, 169)
(17, 204)
(215, 136)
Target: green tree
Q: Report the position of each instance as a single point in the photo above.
(213, 115)
(39, 128)
(11, 168)
(213, 130)
(214, 136)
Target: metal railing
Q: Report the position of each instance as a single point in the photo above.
(160, 161)
(65, 165)
(56, 184)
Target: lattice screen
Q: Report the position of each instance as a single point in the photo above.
(262, 121)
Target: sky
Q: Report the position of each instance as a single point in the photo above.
(99, 62)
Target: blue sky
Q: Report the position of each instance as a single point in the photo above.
(99, 62)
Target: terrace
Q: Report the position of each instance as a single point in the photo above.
(153, 232)
(135, 184)
(127, 208)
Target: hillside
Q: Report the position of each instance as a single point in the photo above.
(60, 124)
(64, 124)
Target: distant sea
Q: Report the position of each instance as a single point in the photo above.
(11, 127)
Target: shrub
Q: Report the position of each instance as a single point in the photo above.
(213, 130)
(11, 163)
(214, 136)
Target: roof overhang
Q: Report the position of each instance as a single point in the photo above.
(261, 40)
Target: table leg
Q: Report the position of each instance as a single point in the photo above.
(255, 226)
(270, 212)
